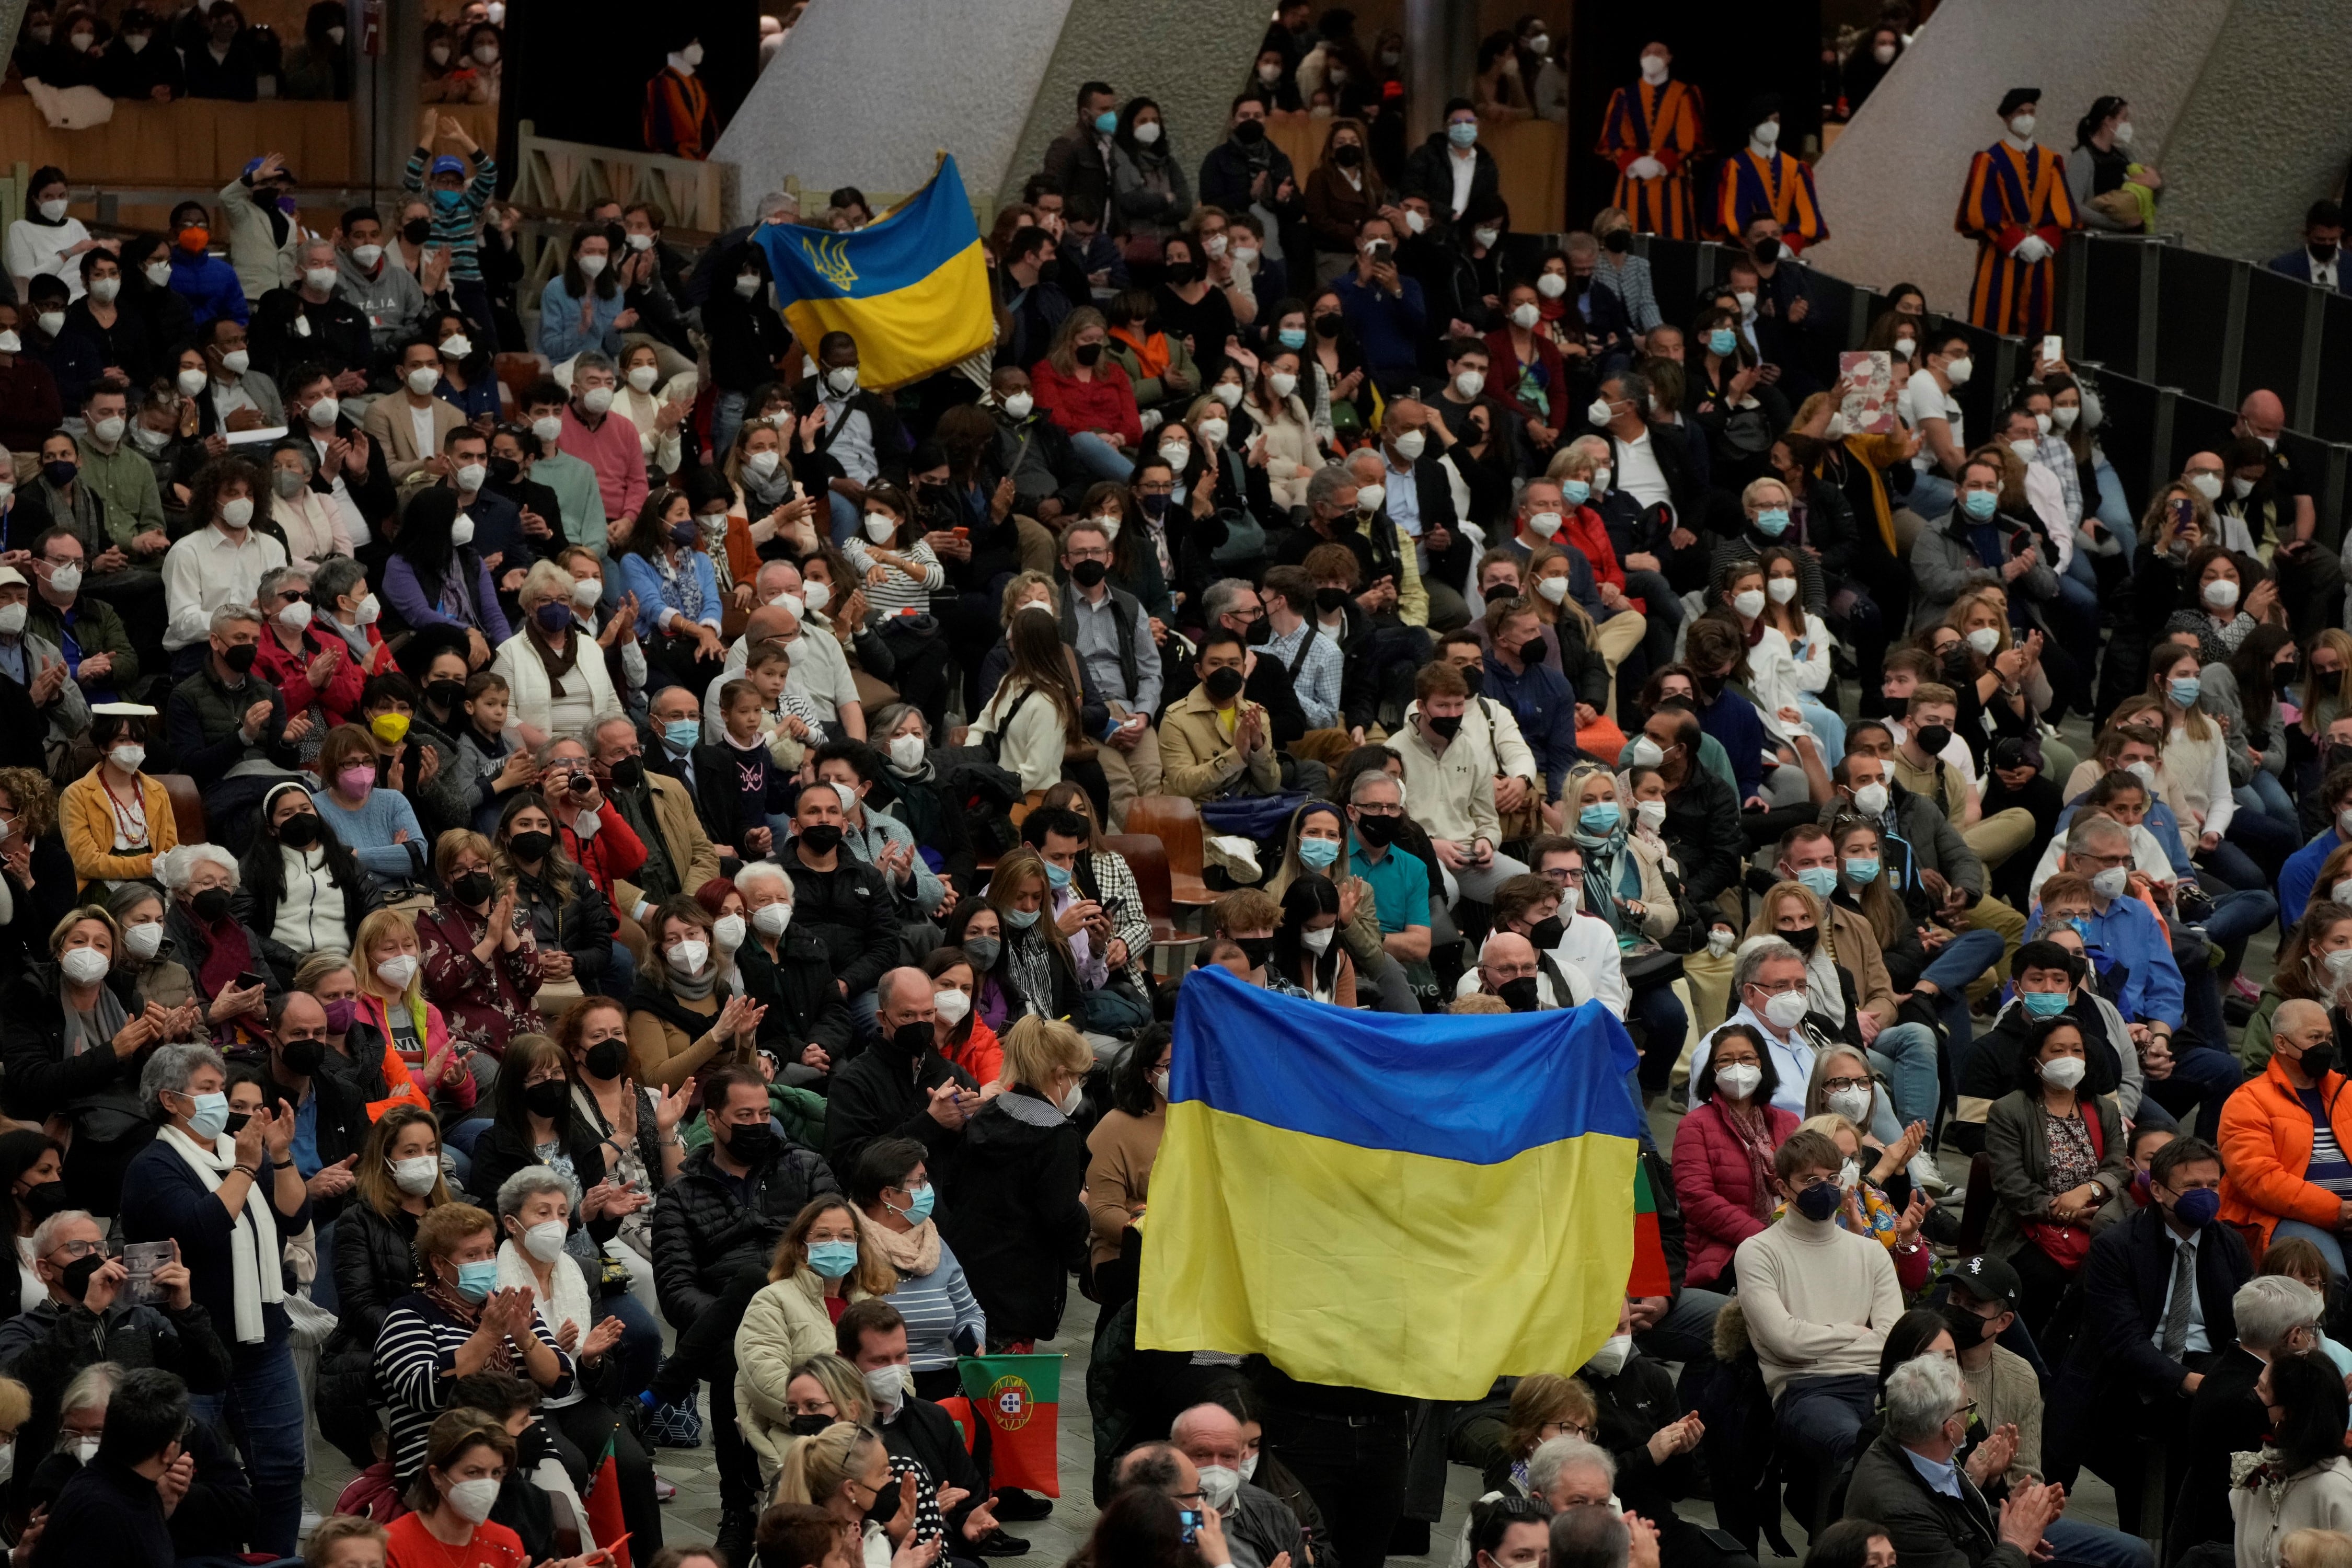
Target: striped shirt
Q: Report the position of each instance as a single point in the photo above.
(415, 1361)
(897, 590)
(2328, 1166)
(935, 1306)
(455, 224)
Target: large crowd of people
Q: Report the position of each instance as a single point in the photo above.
(535, 907)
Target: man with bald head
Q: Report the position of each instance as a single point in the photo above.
(1209, 1436)
(1509, 968)
(1419, 500)
(2310, 578)
(899, 1087)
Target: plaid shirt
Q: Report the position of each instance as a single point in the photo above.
(2059, 458)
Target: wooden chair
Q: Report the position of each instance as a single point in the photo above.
(1175, 821)
(1148, 859)
(187, 808)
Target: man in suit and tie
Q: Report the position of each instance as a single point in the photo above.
(2157, 1317)
(2320, 260)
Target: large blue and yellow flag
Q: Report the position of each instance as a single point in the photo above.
(912, 286)
(1408, 1203)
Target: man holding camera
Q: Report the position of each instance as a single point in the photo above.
(1384, 307)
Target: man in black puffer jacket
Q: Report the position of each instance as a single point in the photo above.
(731, 1202)
(901, 1087)
(842, 900)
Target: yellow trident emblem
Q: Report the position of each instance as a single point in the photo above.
(831, 259)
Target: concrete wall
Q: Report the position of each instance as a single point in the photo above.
(1190, 56)
(869, 95)
(1891, 184)
(2244, 159)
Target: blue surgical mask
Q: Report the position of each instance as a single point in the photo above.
(1020, 919)
(1721, 341)
(919, 1203)
(833, 1259)
(1056, 876)
(1772, 521)
(210, 1118)
(1602, 816)
(683, 735)
(1819, 881)
(1861, 873)
(1981, 505)
(1318, 854)
(2082, 928)
(476, 1280)
(1463, 133)
(1107, 121)
(2044, 1003)
(2184, 691)
(1292, 337)
(1575, 492)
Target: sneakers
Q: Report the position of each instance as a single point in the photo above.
(1925, 1175)
(996, 1543)
(1240, 854)
(2242, 986)
(1020, 1507)
(663, 1490)
(678, 1426)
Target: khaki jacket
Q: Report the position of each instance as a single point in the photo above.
(387, 423)
(1196, 760)
(690, 846)
(785, 1324)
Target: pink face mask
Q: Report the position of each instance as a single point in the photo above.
(355, 782)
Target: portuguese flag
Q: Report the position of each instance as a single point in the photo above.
(1649, 1276)
(1020, 1397)
(603, 1505)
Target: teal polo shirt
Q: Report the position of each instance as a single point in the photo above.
(1400, 884)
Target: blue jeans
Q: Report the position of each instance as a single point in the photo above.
(263, 1409)
(2270, 797)
(2082, 1545)
(2331, 1246)
(1100, 458)
(845, 516)
(620, 973)
(2202, 1079)
(322, 1288)
(2235, 917)
(726, 418)
(2113, 515)
(463, 1136)
(1828, 729)
(1906, 1053)
(1820, 1417)
(641, 1340)
(1953, 970)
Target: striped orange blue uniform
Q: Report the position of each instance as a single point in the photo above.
(1661, 122)
(1779, 187)
(679, 121)
(2012, 195)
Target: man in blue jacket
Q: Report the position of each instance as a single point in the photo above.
(2298, 877)
(2320, 259)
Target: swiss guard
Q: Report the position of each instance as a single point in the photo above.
(1652, 132)
(2016, 208)
(1761, 181)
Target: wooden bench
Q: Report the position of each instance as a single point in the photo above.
(1148, 859)
(187, 808)
(1175, 821)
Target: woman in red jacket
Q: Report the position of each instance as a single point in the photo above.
(1088, 396)
(1574, 467)
(1526, 374)
(1723, 1153)
(312, 667)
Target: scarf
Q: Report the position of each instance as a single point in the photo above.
(257, 1278)
(766, 495)
(1150, 351)
(1601, 866)
(230, 957)
(355, 638)
(557, 665)
(106, 1016)
(1752, 1130)
(691, 990)
(913, 1253)
(1031, 970)
(683, 587)
(567, 1302)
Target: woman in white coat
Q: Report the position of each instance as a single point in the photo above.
(821, 1258)
(1291, 455)
(555, 667)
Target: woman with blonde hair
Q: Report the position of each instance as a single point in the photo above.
(823, 1392)
(844, 1470)
(2315, 1549)
(390, 962)
(1080, 389)
(2194, 781)
(821, 1264)
(1290, 454)
(1014, 1227)
(555, 672)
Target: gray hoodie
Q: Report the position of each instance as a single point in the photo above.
(393, 300)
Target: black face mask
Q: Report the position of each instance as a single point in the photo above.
(822, 837)
(1618, 240)
(1250, 133)
(1182, 272)
(1803, 941)
(1090, 573)
(299, 831)
(1223, 685)
(2323, 253)
(444, 694)
(240, 658)
(505, 470)
(1377, 831)
(1933, 738)
(1711, 686)
(1257, 949)
(1155, 507)
(1531, 652)
(1088, 353)
(1330, 600)
(210, 905)
(606, 1058)
(44, 1199)
(75, 1276)
(1259, 633)
(532, 847)
(302, 1057)
(1766, 251)
(474, 888)
(1445, 727)
(752, 1145)
(2317, 1062)
(1474, 677)
(1549, 933)
(416, 230)
(547, 1099)
(1966, 1328)
(628, 774)
(1348, 155)
(912, 1038)
(1520, 996)
(1329, 324)
(236, 1120)
(2325, 682)
(809, 1426)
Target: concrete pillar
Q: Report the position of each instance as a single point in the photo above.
(1441, 46)
(384, 104)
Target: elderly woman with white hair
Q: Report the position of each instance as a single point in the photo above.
(553, 667)
(789, 970)
(228, 1202)
(225, 955)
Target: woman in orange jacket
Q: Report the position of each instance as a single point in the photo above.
(2280, 1176)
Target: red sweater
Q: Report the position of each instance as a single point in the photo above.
(613, 451)
(614, 851)
(1584, 528)
(1105, 404)
(1717, 1187)
(1503, 378)
(290, 673)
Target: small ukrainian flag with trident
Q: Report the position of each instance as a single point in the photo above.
(911, 287)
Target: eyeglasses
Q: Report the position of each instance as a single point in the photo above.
(70, 1250)
(1839, 1085)
(1778, 990)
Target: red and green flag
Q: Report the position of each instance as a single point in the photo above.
(1020, 1397)
(1649, 1276)
(604, 1504)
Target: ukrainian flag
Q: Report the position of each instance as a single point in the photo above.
(1416, 1205)
(912, 286)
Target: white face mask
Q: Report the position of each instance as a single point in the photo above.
(1749, 605)
(1544, 525)
(952, 1006)
(424, 379)
(65, 580)
(544, 1241)
(104, 289)
(1654, 69)
(1410, 445)
(323, 413)
(1853, 1104)
(159, 273)
(461, 531)
(1018, 405)
(2025, 450)
(907, 752)
(2221, 594)
(1766, 134)
(2110, 883)
(84, 1449)
(770, 920)
(1523, 317)
(321, 279)
(146, 940)
(474, 1500)
(1785, 1009)
(397, 970)
(2022, 127)
(236, 361)
(84, 965)
(1228, 392)
(1781, 589)
(2064, 1071)
(1175, 454)
(236, 513)
(1870, 799)
(1746, 301)
(1370, 498)
(1739, 1079)
(470, 477)
(727, 930)
(643, 377)
(1485, 237)
(2064, 417)
(1554, 589)
(1281, 382)
(1551, 286)
(586, 591)
(597, 401)
(2206, 484)
(367, 256)
(2240, 488)
(1652, 812)
(369, 609)
(843, 379)
(108, 430)
(880, 527)
(1957, 370)
(51, 321)
(1211, 431)
(1614, 1352)
(295, 617)
(590, 264)
(887, 1385)
(687, 958)
(815, 595)
(12, 619)
(1983, 640)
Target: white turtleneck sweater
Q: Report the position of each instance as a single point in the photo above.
(1817, 1299)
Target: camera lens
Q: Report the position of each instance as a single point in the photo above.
(582, 783)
